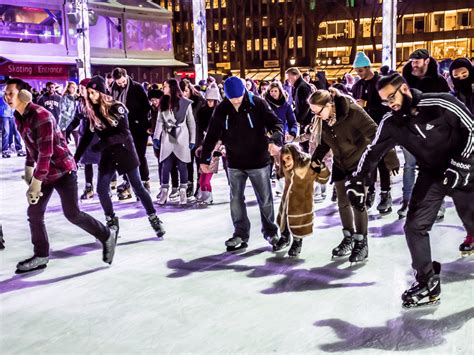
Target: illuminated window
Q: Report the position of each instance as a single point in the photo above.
(274, 43)
(265, 21)
(300, 41)
(224, 46)
(257, 44)
(291, 42)
(232, 46)
(208, 4)
(216, 26)
(249, 45)
(265, 44)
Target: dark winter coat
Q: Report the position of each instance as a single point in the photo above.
(52, 104)
(440, 129)
(349, 137)
(285, 113)
(301, 93)
(202, 123)
(366, 90)
(245, 133)
(115, 143)
(432, 82)
(138, 107)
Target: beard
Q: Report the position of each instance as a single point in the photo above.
(405, 108)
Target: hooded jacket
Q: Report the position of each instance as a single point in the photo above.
(301, 93)
(440, 128)
(431, 82)
(245, 133)
(463, 89)
(366, 90)
(349, 136)
(285, 113)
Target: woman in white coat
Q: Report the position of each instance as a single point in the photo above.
(175, 136)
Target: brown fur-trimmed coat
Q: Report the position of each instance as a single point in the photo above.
(296, 207)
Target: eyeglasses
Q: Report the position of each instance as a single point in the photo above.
(320, 111)
(391, 98)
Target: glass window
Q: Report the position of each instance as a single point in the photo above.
(146, 35)
(438, 23)
(249, 45)
(106, 32)
(407, 25)
(419, 24)
(300, 41)
(450, 21)
(31, 25)
(257, 44)
(265, 44)
(463, 19)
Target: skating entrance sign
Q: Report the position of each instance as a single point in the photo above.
(35, 70)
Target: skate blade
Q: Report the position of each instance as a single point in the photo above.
(19, 272)
(463, 253)
(432, 302)
(240, 248)
(385, 212)
(359, 262)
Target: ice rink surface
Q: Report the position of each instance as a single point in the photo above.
(186, 295)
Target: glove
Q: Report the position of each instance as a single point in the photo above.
(191, 146)
(34, 191)
(316, 165)
(28, 174)
(156, 143)
(216, 153)
(321, 170)
(355, 191)
(460, 173)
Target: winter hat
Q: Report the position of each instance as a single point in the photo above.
(420, 54)
(155, 94)
(97, 83)
(361, 60)
(85, 81)
(234, 87)
(212, 92)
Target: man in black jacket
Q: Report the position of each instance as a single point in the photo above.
(133, 96)
(438, 130)
(301, 92)
(243, 122)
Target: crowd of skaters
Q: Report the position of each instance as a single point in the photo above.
(297, 133)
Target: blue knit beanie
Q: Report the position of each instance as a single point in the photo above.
(361, 60)
(234, 87)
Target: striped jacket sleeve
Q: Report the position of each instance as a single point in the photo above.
(376, 150)
(459, 112)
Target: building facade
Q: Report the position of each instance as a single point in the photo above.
(318, 34)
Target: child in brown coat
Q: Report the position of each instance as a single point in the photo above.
(295, 216)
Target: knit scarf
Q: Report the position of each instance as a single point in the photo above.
(121, 94)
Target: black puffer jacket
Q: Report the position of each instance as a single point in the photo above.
(115, 142)
(432, 82)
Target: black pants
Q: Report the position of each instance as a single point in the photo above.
(141, 141)
(174, 170)
(66, 187)
(427, 197)
(384, 177)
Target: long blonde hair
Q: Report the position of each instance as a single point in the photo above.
(106, 102)
(66, 90)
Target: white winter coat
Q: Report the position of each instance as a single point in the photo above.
(185, 132)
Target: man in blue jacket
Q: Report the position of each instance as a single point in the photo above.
(249, 129)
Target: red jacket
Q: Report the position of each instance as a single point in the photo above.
(45, 144)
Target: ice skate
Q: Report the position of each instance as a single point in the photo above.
(146, 185)
(385, 205)
(31, 264)
(2, 241)
(424, 293)
(295, 248)
(205, 198)
(369, 200)
(174, 193)
(345, 247)
(183, 198)
(190, 189)
(163, 195)
(157, 225)
(440, 214)
(282, 243)
(112, 222)
(271, 239)
(124, 192)
(108, 246)
(235, 244)
(88, 192)
(402, 212)
(360, 251)
(467, 247)
(113, 185)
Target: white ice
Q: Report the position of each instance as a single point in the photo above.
(185, 295)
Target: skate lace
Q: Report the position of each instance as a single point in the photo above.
(155, 222)
(358, 246)
(345, 244)
(469, 240)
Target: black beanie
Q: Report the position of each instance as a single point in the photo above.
(155, 94)
(465, 85)
(98, 83)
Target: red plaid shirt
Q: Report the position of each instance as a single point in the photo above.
(45, 144)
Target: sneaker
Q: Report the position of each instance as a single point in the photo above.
(31, 264)
(6, 154)
(21, 153)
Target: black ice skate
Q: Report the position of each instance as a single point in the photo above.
(385, 205)
(2, 241)
(88, 192)
(467, 247)
(360, 251)
(424, 293)
(295, 249)
(282, 243)
(369, 200)
(108, 246)
(123, 191)
(112, 222)
(157, 225)
(31, 264)
(271, 239)
(235, 244)
(402, 212)
(345, 247)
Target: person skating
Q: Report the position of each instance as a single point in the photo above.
(108, 119)
(242, 122)
(347, 130)
(438, 130)
(175, 136)
(51, 100)
(295, 215)
(67, 108)
(49, 166)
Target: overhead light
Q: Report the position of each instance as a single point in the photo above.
(329, 61)
(338, 61)
(292, 61)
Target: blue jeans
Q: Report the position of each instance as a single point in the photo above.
(103, 186)
(167, 167)
(10, 134)
(260, 179)
(409, 174)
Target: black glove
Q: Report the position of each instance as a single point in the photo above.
(460, 173)
(216, 153)
(317, 165)
(355, 191)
